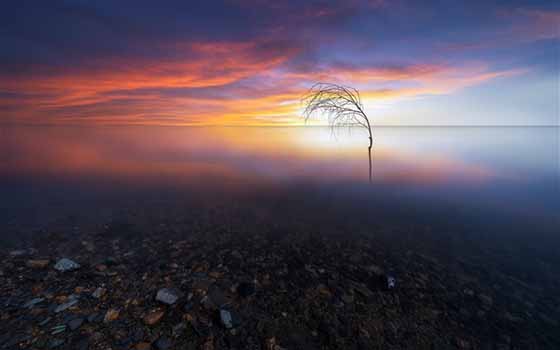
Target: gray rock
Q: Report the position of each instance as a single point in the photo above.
(98, 293)
(65, 264)
(17, 253)
(163, 343)
(75, 323)
(33, 302)
(73, 301)
(391, 282)
(168, 296)
(226, 318)
(55, 343)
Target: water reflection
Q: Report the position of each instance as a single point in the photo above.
(183, 155)
(511, 168)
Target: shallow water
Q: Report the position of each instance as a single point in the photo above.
(52, 172)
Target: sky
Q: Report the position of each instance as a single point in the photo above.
(248, 62)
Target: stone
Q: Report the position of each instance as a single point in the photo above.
(65, 264)
(17, 253)
(55, 343)
(142, 346)
(99, 292)
(163, 343)
(33, 302)
(75, 323)
(37, 263)
(391, 282)
(153, 317)
(66, 305)
(168, 296)
(111, 315)
(225, 317)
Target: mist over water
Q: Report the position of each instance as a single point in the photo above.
(484, 173)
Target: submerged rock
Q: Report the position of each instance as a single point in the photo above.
(111, 315)
(75, 323)
(73, 301)
(33, 302)
(65, 264)
(37, 263)
(153, 317)
(168, 296)
(226, 318)
(163, 343)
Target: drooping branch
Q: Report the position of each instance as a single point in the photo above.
(341, 105)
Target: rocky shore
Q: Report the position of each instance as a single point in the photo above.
(120, 289)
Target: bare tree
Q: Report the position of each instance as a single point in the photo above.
(342, 106)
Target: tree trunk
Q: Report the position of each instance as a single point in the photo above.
(369, 156)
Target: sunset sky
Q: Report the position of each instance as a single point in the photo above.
(247, 62)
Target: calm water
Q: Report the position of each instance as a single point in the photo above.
(480, 174)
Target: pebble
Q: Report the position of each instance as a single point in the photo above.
(33, 302)
(225, 316)
(65, 306)
(163, 343)
(65, 264)
(99, 292)
(111, 315)
(75, 323)
(168, 296)
(38, 264)
(153, 317)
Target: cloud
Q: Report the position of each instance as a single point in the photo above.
(246, 63)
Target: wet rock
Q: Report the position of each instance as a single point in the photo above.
(44, 322)
(55, 343)
(163, 343)
(391, 282)
(72, 301)
(168, 296)
(65, 264)
(142, 346)
(18, 253)
(99, 292)
(58, 329)
(75, 323)
(225, 317)
(33, 302)
(37, 263)
(153, 317)
(111, 315)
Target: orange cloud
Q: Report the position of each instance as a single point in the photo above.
(229, 83)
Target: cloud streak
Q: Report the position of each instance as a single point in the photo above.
(231, 70)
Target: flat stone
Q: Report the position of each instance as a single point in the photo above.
(65, 264)
(226, 318)
(75, 323)
(163, 343)
(168, 296)
(66, 305)
(33, 302)
(142, 346)
(153, 317)
(111, 315)
(37, 263)
(55, 343)
(99, 292)
(16, 253)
